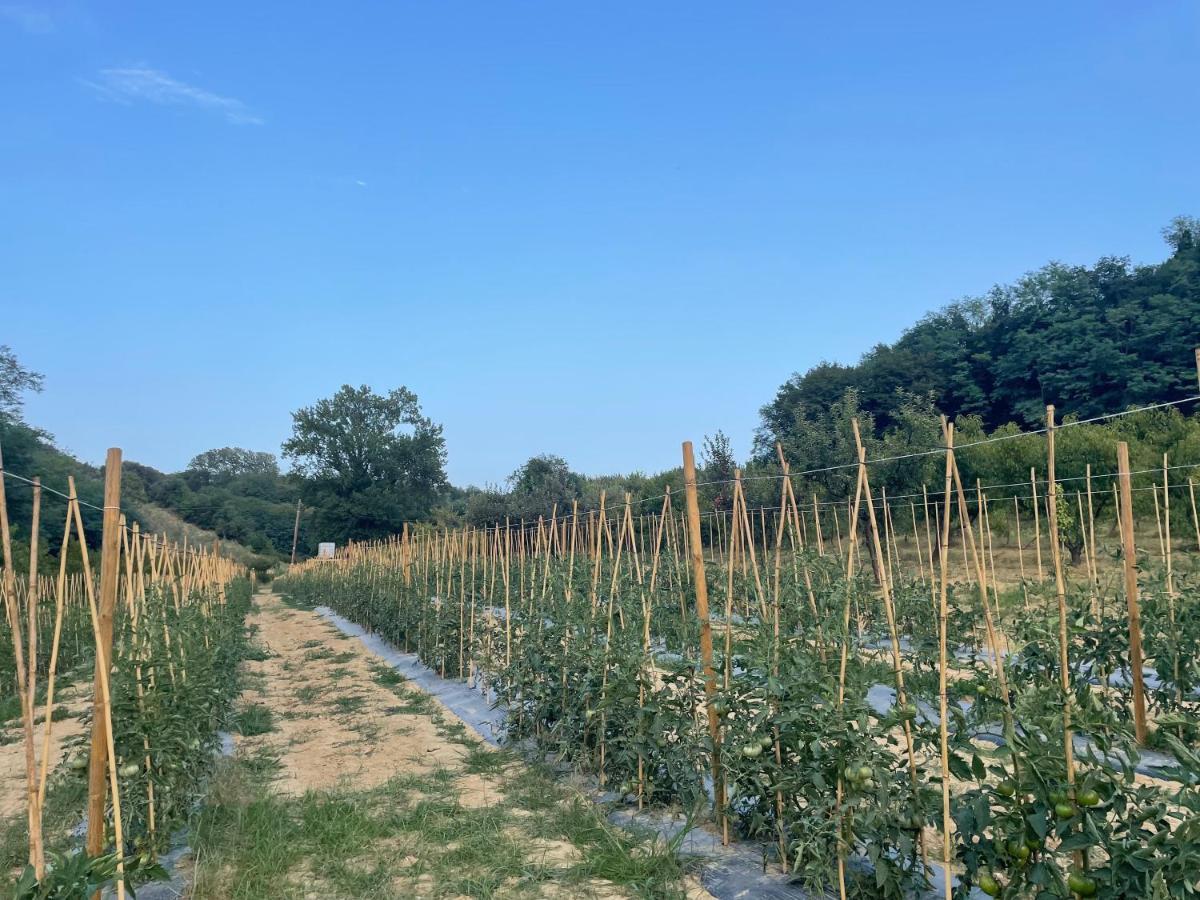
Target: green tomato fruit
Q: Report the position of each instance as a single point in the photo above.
(1082, 885)
(989, 885)
(1006, 788)
(1088, 798)
(1057, 797)
(766, 741)
(751, 751)
(865, 772)
(1064, 810)
(129, 770)
(78, 762)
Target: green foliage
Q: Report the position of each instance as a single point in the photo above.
(15, 380)
(1088, 339)
(371, 461)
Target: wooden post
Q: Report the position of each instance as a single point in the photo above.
(1129, 553)
(885, 589)
(13, 613)
(1060, 589)
(1037, 523)
(943, 663)
(36, 849)
(1195, 517)
(706, 646)
(295, 532)
(1166, 489)
(109, 564)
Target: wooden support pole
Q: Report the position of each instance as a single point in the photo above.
(1060, 589)
(1037, 523)
(296, 532)
(12, 611)
(943, 662)
(706, 646)
(1129, 553)
(109, 565)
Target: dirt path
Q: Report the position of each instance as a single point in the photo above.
(362, 785)
(336, 723)
(69, 704)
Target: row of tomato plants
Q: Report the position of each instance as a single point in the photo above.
(814, 765)
(173, 683)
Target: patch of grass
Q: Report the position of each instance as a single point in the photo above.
(309, 693)
(367, 732)
(414, 705)
(257, 653)
(10, 708)
(641, 862)
(386, 675)
(261, 767)
(289, 600)
(253, 719)
(348, 703)
(411, 836)
(481, 759)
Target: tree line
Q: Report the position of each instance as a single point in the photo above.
(1088, 339)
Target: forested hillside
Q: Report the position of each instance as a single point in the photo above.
(1089, 339)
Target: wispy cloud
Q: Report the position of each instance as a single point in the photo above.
(27, 18)
(135, 83)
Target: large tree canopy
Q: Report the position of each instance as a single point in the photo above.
(1089, 340)
(371, 461)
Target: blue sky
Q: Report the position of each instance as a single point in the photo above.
(588, 229)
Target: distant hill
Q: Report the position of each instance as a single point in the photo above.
(30, 452)
(1089, 339)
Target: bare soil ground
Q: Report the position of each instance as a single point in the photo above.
(69, 704)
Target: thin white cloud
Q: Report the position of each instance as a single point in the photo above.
(360, 183)
(27, 18)
(134, 83)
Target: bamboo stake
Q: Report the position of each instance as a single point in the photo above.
(1166, 491)
(1021, 555)
(1129, 553)
(1091, 532)
(1060, 589)
(885, 585)
(14, 622)
(1195, 517)
(706, 647)
(943, 666)
(103, 755)
(1037, 523)
(36, 850)
(59, 602)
